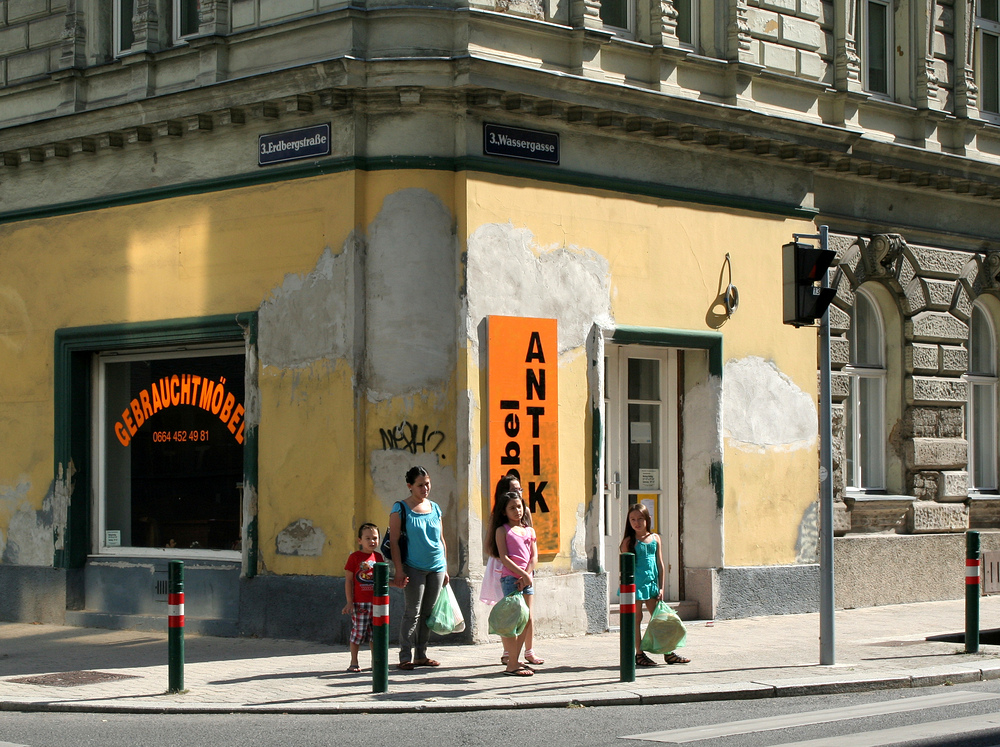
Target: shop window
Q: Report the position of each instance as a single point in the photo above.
(170, 458)
(865, 407)
(988, 57)
(982, 414)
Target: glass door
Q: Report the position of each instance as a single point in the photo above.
(640, 452)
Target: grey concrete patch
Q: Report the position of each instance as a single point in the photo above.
(771, 590)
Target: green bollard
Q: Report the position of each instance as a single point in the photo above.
(972, 592)
(380, 630)
(175, 626)
(626, 614)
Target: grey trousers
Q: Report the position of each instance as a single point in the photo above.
(419, 595)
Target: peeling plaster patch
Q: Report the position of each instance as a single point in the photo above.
(29, 532)
(701, 452)
(578, 542)
(388, 472)
(310, 318)
(15, 324)
(301, 538)
(764, 408)
(412, 296)
(807, 544)
(508, 274)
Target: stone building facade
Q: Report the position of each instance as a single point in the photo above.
(655, 158)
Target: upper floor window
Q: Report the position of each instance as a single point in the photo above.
(865, 407)
(877, 46)
(982, 422)
(687, 22)
(179, 16)
(619, 14)
(122, 22)
(185, 18)
(988, 57)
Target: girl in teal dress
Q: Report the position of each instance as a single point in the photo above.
(649, 575)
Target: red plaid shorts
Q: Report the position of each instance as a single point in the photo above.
(361, 623)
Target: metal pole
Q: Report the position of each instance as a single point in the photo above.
(626, 614)
(175, 626)
(826, 589)
(380, 630)
(972, 592)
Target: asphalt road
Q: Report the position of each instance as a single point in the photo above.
(966, 716)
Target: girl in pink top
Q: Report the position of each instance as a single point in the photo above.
(512, 541)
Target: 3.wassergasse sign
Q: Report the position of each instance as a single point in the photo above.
(515, 142)
(307, 142)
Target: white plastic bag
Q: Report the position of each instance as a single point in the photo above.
(491, 593)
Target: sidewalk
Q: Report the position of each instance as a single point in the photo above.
(126, 671)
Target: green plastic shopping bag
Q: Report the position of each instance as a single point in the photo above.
(446, 616)
(509, 616)
(665, 631)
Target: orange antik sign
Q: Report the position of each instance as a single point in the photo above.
(523, 406)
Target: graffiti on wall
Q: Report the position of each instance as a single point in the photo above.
(411, 437)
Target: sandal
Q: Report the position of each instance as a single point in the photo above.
(641, 660)
(673, 658)
(529, 656)
(426, 663)
(504, 658)
(354, 669)
(522, 672)
(407, 665)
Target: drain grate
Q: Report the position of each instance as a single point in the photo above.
(72, 679)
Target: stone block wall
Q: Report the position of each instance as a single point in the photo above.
(934, 290)
(31, 33)
(792, 37)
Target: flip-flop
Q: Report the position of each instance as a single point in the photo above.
(407, 665)
(522, 672)
(354, 669)
(673, 658)
(426, 663)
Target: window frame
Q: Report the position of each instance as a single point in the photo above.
(857, 478)
(694, 30)
(989, 381)
(629, 30)
(74, 352)
(177, 10)
(889, 43)
(101, 437)
(985, 27)
(117, 27)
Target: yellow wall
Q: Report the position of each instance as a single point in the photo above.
(228, 252)
(208, 254)
(666, 266)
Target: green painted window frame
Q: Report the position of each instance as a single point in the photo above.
(73, 388)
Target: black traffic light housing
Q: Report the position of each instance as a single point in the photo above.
(804, 268)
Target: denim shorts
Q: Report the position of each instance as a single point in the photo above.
(509, 586)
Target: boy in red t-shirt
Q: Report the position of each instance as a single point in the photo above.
(359, 585)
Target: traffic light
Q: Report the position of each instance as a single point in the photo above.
(804, 267)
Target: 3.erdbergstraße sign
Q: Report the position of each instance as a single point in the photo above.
(291, 145)
(517, 142)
